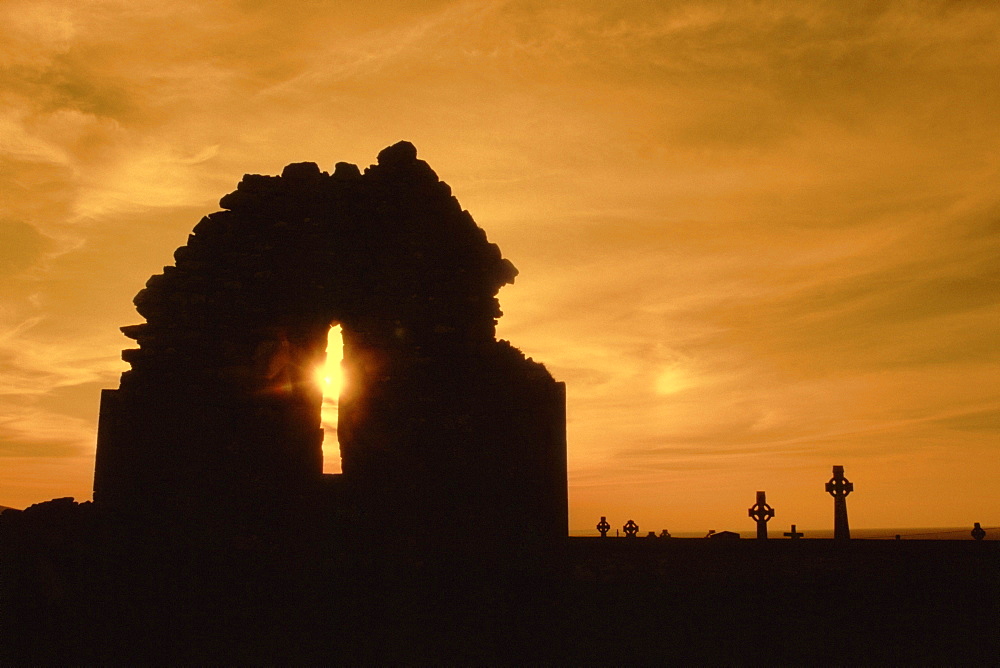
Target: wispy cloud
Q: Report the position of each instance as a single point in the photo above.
(753, 237)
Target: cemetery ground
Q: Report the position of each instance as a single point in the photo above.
(73, 597)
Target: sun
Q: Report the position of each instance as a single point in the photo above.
(330, 374)
(330, 378)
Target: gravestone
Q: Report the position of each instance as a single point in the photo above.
(793, 534)
(839, 487)
(761, 513)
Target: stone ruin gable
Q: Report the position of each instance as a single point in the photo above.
(389, 252)
(221, 407)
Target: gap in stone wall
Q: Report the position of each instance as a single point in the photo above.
(331, 381)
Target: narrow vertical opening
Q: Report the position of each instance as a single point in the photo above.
(331, 380)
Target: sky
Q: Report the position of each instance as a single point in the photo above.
(755, 239)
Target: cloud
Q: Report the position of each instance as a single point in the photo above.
(26, 432)
(752, 236)
(987, 421)
(21, 247)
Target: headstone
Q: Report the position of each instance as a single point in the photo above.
(603, 527)
(839, 487)
(665, 534)
(761, 513)
(978, 532)
(793, 534)
(630, 529)
(651, 534)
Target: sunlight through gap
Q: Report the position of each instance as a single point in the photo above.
(331, 379)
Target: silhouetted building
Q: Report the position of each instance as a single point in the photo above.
(723, 535)
(444, 431)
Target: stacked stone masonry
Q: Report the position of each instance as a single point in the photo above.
(441, 426)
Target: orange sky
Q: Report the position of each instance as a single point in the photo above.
(755, 239)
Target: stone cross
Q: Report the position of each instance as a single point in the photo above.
(978, 532)
(793, 534)
(603, 526)
(839, 487)
(761, 513)
(631, 529)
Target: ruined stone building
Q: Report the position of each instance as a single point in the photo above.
(443, 429)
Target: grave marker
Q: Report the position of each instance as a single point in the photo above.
(761, 513)
(793, 534)
(839, 487)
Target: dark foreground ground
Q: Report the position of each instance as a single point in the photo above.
(78, 590)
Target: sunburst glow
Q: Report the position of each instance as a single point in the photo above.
(330, 377)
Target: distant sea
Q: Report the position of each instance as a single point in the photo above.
(918, 533)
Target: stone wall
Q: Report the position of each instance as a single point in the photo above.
(443, 429)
